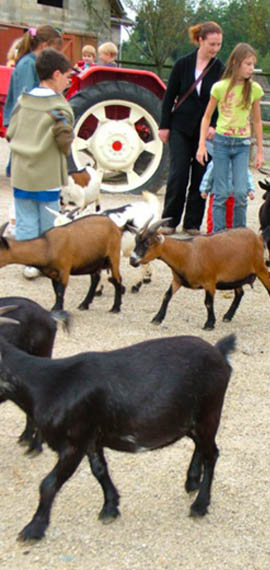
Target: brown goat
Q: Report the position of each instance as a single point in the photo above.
(86, 246)
(226, 260)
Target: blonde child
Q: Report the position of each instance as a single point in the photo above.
(107, 54)
(89, 55)
(12, 53)
(236, 96)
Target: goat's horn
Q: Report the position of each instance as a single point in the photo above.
(154, 227)
(3, 227)
(145, 226)
(6, 320)
(52, 211)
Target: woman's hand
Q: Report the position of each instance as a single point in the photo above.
(164, 135)
(202, 154)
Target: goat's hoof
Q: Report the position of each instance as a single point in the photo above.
(99, 292)
(23, 442)
(33, 452)
(30, 534)
(208, 327)
(115, 310)
(135, 288)
(107, 517)
(198, 510)
(192, 485)
(226, 319)
(83, 307)
(155, 321)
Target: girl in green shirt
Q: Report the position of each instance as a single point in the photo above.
(236, 96)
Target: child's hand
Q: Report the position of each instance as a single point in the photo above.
(251, 195)
(202, 154)
(259, 159)
(164, 135)
(204, 195)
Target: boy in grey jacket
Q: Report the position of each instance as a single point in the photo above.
(40, 134)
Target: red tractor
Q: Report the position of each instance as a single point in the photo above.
(117, 113)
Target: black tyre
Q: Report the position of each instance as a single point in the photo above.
(116, 130)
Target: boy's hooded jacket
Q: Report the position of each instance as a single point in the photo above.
(39, 140)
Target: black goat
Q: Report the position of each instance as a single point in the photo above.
(133, 399)
(35, 335)
(264, 211)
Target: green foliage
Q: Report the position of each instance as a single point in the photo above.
(160, 34)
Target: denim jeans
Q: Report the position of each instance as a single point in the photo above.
(32, 217)
(235, 152)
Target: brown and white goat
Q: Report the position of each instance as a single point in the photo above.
(226, 260)
(83, 189)
(84, 247)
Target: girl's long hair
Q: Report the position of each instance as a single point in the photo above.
(239, 53)
(33, 37)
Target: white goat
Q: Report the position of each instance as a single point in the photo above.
(136, 215)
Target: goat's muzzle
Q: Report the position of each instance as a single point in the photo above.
(134, 260)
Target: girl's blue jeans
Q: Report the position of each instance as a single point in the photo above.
(32, 217)
(234, 151)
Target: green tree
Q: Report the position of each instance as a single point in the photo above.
(160, 26)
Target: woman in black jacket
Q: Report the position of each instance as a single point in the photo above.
(181, 127)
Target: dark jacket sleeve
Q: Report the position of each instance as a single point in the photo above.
(172, 91)
(62, 131)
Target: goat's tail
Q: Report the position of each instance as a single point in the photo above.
(226, 345)
(153, 202)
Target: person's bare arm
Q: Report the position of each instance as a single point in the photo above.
(202, 155)
(258, 130)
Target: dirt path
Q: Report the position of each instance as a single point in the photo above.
(154, 532)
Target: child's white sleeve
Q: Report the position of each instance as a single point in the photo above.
(250, 182)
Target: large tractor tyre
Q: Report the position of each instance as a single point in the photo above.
(116, 130)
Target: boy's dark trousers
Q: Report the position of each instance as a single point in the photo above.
(184, 170)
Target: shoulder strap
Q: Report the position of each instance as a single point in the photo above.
(192, 87)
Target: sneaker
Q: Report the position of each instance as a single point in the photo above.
(167, 231)
(30, 272)
(192, 231)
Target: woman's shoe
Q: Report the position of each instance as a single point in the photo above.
(192, 231)
(167, 231)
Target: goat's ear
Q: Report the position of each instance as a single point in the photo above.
(160, 238)
(264, 185)
(4, 243)
(130, 228)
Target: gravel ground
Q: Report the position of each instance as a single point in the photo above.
(154, 531)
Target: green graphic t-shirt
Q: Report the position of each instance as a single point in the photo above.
(233, 120)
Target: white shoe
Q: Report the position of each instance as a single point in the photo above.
(30, 272)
